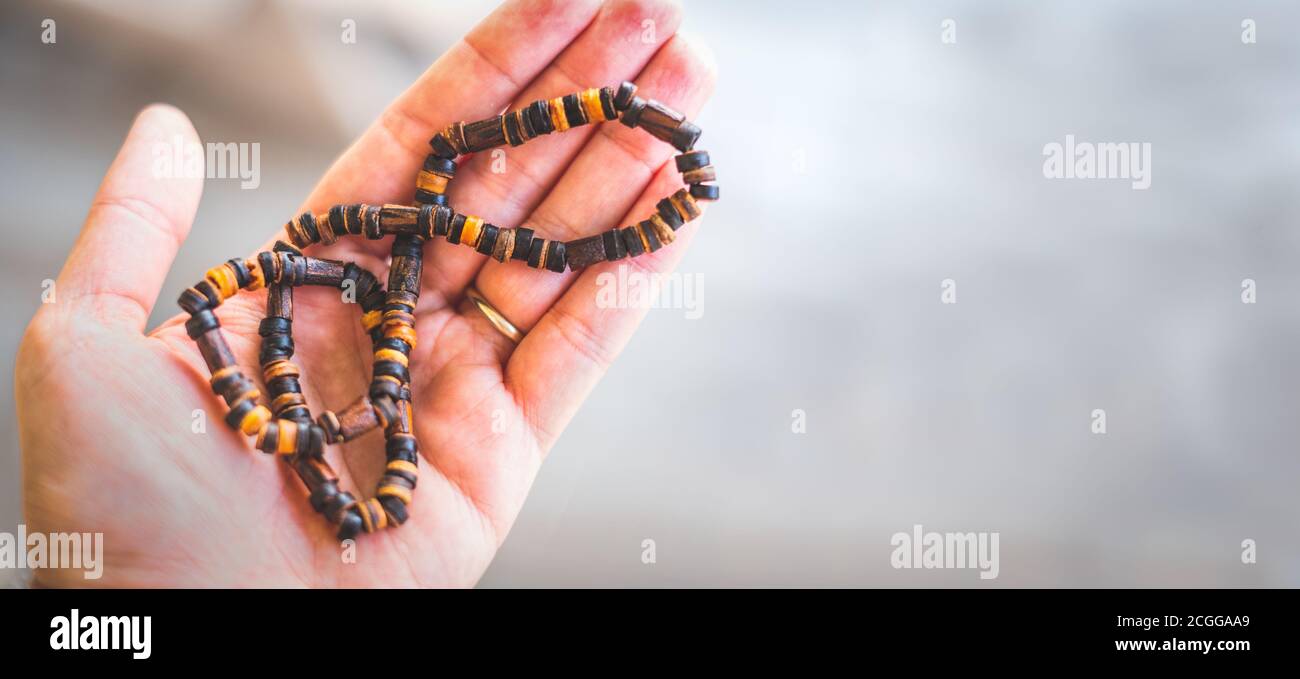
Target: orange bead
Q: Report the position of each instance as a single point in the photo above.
(558, 119)
(591, 102)
(254, 419)
(288, 437)
(400, 331)
(392, 355)
(400, 492)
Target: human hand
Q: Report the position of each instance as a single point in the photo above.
(105, 411)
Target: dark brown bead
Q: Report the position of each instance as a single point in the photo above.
(513, 129)
(271, 441)
(386, 408)
(623, 98)
(535, 253)
(279, 301)
(317, 474)
(701, 175)
(292, 270)
(424, 221)
(441, 220)
(232, 381)
(523, 244)
(685, 136)
(614, 247)
(410, 479)
(356, 419)
(307, 229)
(685, 204)
(454, 134)
(200, 323)
(349, 524)
(404, 273)
(539, 112)
(457, 225)
(399, 420)
(402, 448)
(632, 114)
(402, 298)
(651, 238)
(441, 147)
(192, 301)
(704, 191)
(315, 441)
(268, 263)
(607, 103)
(321, 494)
(395, 509)
(556, 257)
(380, 388)
(659, 120)
(487, 239)
(242, 278)
(482, 135)
(429, 198)
(352, 219)
(338, 220)
(632, 241)
(504, 245)
(584, 252)
(208, 290)
(668, 211)
(370, 222)
(397, 219)
(526, 128)
(326, 272)
(423, 197)
(238, 411)
(329, 423)
(444, 167)
(692, 160)
(574, 113)
(216, 353)
(281, 246)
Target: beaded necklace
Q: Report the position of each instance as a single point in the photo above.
(284, 425)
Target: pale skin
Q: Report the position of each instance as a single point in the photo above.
(107, 412)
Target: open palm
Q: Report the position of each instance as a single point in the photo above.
(107, 413)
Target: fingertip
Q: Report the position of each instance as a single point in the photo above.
(700, 55)
(163, 119)
(658, 10)
(682, 74)
(154, 162)
(161, 108)
(649, 21)
(539, 15)
(137, 221)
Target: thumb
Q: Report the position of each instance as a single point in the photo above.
(139, 219)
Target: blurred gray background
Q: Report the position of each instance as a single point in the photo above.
(864, 162)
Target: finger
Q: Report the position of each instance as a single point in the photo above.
(602, 184)
(474, 79)
(137, 222)
(573, 344)
(614, 47)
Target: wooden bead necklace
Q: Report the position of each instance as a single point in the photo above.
(285, 426)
